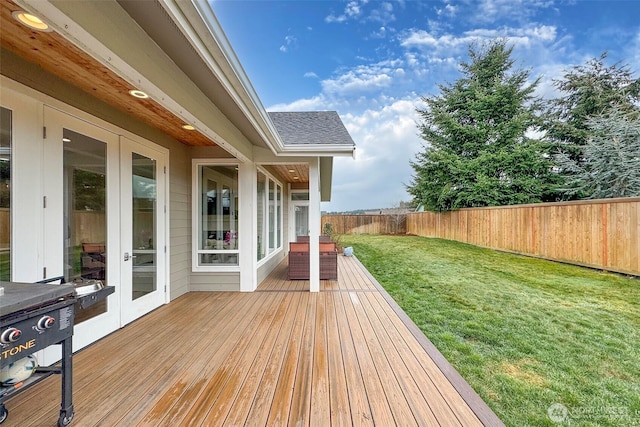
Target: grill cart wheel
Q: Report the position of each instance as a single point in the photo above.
(65, 420)
(4, 413)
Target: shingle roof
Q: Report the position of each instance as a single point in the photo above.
(310, 127)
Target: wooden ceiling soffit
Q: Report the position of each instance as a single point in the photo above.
(290, 172)
(58, 56)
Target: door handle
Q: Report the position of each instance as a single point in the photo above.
(127, 257)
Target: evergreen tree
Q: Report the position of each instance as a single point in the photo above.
(477, 152)
(610, 165)
(590, 90)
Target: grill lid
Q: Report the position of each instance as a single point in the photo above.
(21, 296)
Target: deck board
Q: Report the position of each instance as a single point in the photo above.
(278, 356)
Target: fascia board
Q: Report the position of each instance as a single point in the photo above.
(199, 24)
(326, 178)
(334, 150)
(80, 37)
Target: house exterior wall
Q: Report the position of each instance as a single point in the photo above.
(179, 167)
(211, 282)
(182, 279)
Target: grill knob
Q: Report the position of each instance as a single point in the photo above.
(10, 335)
(45, 323)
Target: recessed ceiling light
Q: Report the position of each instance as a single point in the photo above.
(188, 127)
(31, 21)
(66, 140)
(291, 170)
(138, 94)
(295, 177)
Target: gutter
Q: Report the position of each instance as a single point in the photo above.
(319, 150)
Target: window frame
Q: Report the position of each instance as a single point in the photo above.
(276, 220)
(196, 224)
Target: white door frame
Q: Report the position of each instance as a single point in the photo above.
(55, 121)
(293, 204)
(133, 309)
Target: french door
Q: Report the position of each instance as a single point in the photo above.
(104, 220)
(143, 207)
(81, 216)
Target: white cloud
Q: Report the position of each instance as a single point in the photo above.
(425, 39)
(519, 36)
(383, 14)
(380, 33)
(318, 103)
(364, 78)
(289, 41)
(386, 141)
(351, 11)
(355, 10)
(492, 10)
(311, 75)
(447, 10)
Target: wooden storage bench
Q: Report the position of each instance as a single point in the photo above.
(299, 261)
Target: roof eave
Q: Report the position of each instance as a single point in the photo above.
(213, 43)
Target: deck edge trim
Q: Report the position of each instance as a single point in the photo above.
(479, 407)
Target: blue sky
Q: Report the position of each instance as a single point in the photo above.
(372, 61)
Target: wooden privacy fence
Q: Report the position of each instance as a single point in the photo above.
(366, 224)
(596, 233)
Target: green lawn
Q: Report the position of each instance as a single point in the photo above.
(525, 333)
(5, 266)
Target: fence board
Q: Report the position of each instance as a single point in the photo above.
(602, 233)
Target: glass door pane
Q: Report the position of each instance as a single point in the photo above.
(302, 220)
(143, 245)
(271, 215)
(84, 213)
(144, 215)
(5, 194)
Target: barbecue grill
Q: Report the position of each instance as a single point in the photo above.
(33, 317)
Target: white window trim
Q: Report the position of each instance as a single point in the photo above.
(271, 253)
(195, 219)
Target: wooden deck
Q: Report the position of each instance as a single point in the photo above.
(279, 356)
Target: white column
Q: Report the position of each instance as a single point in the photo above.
(314, 225)
(247, 227)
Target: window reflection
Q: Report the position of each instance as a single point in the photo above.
(5, 194)
(85, 203)
(218, 242)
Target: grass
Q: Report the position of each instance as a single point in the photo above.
(5, 266)
(525, 333)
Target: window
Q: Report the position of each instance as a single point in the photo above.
(299, 196)
(5, 194)
(268, 215)
(217, 215)
(260, 215)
